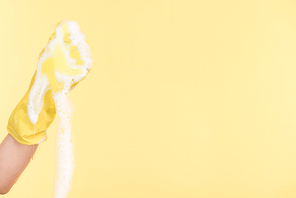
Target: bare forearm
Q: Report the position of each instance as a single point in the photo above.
(14, 158)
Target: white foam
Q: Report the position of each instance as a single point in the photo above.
(64, 146)
(63, 104)
(41, 84)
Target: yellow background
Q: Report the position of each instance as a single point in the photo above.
(185, 99)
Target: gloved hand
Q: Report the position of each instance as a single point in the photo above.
(63, 63)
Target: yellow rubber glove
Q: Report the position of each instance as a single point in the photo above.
(19, 125)
(63, 63)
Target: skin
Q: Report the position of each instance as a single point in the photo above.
(14, 158)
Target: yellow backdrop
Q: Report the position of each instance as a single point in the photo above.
(185, 99)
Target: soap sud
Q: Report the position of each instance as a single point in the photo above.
(64, 146)
(41, 84)
(64, 108)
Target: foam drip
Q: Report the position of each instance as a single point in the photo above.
(64, 146)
